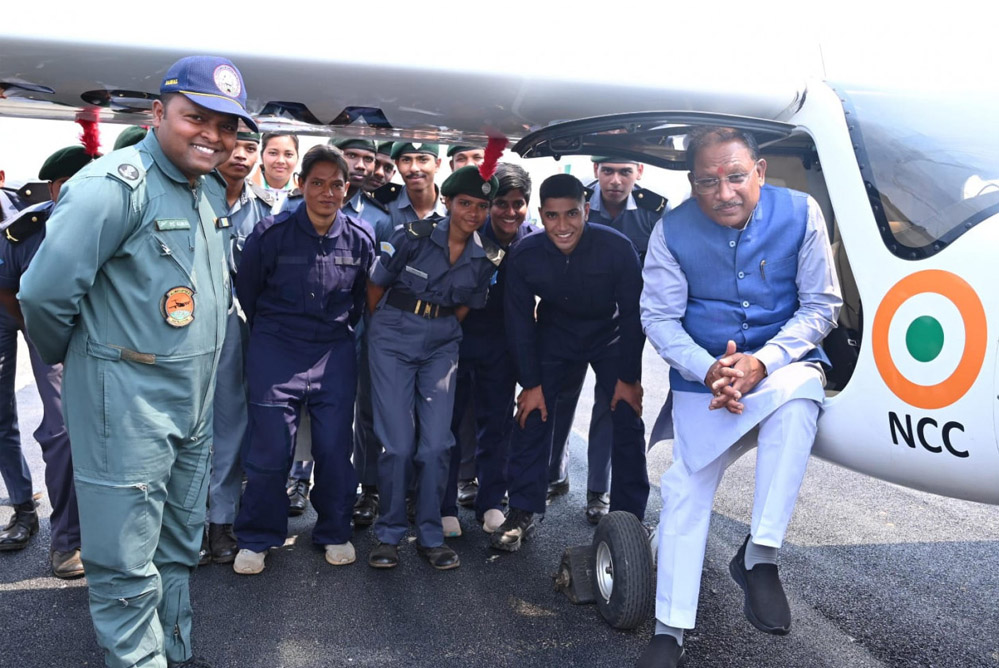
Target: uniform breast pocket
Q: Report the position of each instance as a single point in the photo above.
(289, 278)
(414, 279)
(348, 268)
(779, 280)
(174, 251)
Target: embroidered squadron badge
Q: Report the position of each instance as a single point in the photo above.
(177, 306)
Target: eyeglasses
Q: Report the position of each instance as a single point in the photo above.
(710, 184)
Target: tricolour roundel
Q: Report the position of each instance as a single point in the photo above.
(929, 338)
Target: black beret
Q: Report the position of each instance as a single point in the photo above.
(401, 147)
(64, 163)
(468, 181)
(132, 135)
(354, 142)
(458, 148)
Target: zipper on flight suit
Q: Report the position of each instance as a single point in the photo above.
(166, 252)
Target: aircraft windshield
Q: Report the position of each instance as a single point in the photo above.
(930, 165)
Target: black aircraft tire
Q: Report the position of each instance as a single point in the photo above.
(623, 577)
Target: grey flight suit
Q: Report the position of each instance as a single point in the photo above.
(131, 291)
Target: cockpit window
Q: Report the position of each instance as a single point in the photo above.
(930, 165)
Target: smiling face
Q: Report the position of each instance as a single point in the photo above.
(241, 162)
(564, 218)
(726, 182)
(507, 214)
(467, 213)
(418, 170)
(195, 139)
(279, 159)
(323, 189)
(617, 180)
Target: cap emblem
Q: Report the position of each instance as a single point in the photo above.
(486, 188)
(227, 80)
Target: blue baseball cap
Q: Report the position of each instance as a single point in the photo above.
(212, 82)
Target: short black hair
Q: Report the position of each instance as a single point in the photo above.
(513, 177)
(709, 135)
(562, 185)
(274, 135)
(323, 153)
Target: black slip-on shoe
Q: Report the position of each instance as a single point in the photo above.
(765, 604)
(442, 557)
(384, 555)
(662, 652)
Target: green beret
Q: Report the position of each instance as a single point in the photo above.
(248, 136)
(64, 163)
(468, 181)
(612, 158)
(354, 142)
(133, 134)
(385, 148)
(401, 147)
(458, 148)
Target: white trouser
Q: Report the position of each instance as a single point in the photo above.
(784, 443)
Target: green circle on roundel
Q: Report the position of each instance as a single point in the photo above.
(924, 338)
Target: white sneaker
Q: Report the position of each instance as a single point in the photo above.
(249, 562)
(451, 527)
(492, 520)
(340, 555)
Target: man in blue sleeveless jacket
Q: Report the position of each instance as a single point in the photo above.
(740, 290)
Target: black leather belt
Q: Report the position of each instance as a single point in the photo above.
(406, 301)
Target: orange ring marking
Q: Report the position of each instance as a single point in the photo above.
(972, 313)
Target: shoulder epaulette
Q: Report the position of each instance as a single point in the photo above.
(261, 193)
(27, 224)
(420, 228)
(33, 193)
(388, 193)
(369, 199)
(492, 249)
(125, 165)
(649, 200)
(589, 189)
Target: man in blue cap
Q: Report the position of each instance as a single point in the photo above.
(131, 291)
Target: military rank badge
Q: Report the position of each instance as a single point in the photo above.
(177, 306)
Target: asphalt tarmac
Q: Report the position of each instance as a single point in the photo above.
(877, 575)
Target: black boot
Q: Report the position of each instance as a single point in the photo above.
(518, 527)
(22, 526)
(222, 543)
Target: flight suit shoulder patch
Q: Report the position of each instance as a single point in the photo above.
(128, 168)
(420, 228)
(388, 193)
(493, 250)
(650, 201)
(26, 225)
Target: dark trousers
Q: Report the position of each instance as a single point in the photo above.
(531, 451)
(281, 380)
(487, 385)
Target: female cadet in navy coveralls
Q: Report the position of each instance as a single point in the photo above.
(426, 278)
(301, 283)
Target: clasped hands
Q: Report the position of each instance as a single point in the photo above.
(732, 377)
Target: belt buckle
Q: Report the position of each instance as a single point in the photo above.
(428, 308)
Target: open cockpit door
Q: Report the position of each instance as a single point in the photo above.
(655, 138)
